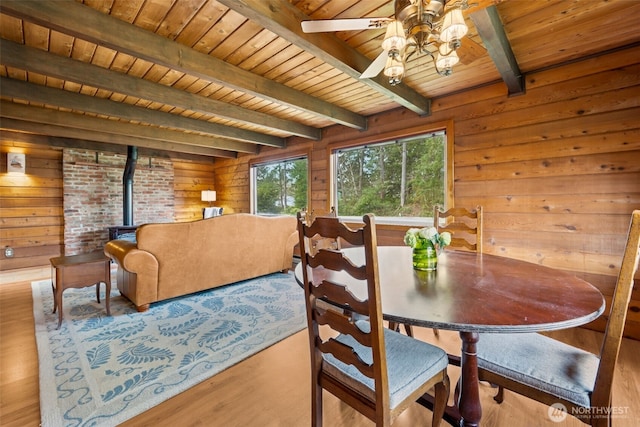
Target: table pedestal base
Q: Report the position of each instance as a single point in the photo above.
(469, 402)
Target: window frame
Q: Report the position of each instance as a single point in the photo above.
(276, 158)
(409, 133)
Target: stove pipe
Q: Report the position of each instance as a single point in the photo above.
(127, 182)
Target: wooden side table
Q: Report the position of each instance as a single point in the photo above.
(80, 271)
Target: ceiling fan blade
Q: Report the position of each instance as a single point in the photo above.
(325, 25)
(470, 50)
(376, 66)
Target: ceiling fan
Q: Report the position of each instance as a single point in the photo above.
(431, 27)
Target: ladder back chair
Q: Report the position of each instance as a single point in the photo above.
(552, 372)
(461, 230)
(376, 371)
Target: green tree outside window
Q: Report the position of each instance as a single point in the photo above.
(394, 179)
(281, 187)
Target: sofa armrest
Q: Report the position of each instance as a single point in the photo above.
(137, 272)
(117, 250)
(127, 255)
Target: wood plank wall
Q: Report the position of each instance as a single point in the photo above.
(557, 170)
(31, 209)
(190, 178)
(31, 205)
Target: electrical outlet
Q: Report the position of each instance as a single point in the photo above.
(8, 252)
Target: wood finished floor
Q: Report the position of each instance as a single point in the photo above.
(272, 388)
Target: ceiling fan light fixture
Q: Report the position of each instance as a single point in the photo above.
(453, 26)
(427, 25)
(394, 39)
(419, 27)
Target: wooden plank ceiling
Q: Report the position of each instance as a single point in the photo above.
(217, 78)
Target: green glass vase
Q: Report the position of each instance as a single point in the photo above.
(425, 259)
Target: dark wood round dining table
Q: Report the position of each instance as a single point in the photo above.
(473, 293)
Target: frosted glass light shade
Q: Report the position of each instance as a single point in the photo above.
(453, 26)
(394, 67)
(394, 38)
(446, 61)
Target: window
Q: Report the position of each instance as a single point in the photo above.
(400, 178)
(279, 187)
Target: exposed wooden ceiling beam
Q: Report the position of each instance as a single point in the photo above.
(79, 134)
(86, 23)
(491, 30)
(18, 89)
(111, 138)
(283, 19)
(10, 110)
(31, 59)
(61, 142)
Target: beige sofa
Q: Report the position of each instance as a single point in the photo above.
(170, 260)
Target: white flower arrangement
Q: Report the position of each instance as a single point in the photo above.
(419, 238)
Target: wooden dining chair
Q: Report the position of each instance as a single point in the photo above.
(377, 371)
(552, 372)
(463, 224)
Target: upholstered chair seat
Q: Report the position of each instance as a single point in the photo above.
(410, 363)
(541, 362)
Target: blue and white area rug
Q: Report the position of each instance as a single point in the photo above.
(100, 370)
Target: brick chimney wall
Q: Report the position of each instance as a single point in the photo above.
(93, 196)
